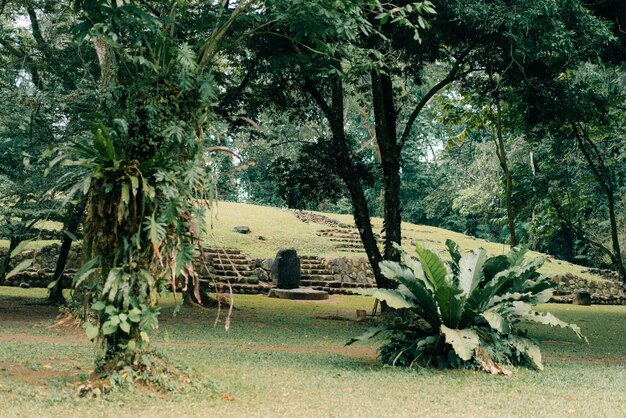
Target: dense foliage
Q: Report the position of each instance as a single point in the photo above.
(144, 172)
(464, 312)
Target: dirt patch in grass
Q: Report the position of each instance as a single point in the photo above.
(357, 352)
(17, 311)
(39, 374)
(69, 337)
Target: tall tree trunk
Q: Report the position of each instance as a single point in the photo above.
(508, 179)
(385, 116)
(350, 177)
(72, 223)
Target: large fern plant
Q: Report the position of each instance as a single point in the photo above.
(464, 312)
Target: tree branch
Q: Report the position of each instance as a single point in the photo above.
(35, 28)
(452, 75)
(308, 87)
(12, 50)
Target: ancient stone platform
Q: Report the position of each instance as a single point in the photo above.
(298, 294)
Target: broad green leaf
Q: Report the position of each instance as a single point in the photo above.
(20, 247)
(134, 181)
(112, 277)
(90, 330)
(20, 268)
(423, 299)
(134, 315)
(454, 251)
(393, 298)
(98, 306)
(516, 256)
(154, 236)
(125, 326)
(527, 347)
(497, 322)
(495, 265)
(463, 341)
(70, 235)
(370, 333)
(451, 304)
(433, 266)
(84, 271)
(125, 193)
(471, 270)
(395, 271)
(52, 284)
(109, 328)
(86, 183)
(525, 311)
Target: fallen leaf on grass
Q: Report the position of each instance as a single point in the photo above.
(47, 366)
(570, 398)
(570, 411)
(347, 390)
(227, 397)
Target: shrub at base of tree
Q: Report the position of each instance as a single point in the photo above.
(464, 312)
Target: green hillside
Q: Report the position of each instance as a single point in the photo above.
(274, 228)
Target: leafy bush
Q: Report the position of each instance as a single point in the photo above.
(464, 312)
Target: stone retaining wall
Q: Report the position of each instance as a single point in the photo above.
(336, 275)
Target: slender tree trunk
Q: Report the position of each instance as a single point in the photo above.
(390, 151)
(6, 262)
(619, 261)
(72, 223)
(603, 177)
(508, 179)
(350, 177)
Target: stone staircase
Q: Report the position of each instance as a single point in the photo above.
(231, 266)
(347, 239)
(318, 275)
(345, 236)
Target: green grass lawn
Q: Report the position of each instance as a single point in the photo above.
(287, 358)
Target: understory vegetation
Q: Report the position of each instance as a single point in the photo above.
(464, 312)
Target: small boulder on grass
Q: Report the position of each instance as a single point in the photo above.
(582, 298)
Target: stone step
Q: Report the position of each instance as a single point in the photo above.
(348, 245)
(230, 279)
(312, 265)
(241, 288)
(307, 268)
(229, 267)
(231, 273)
(224, 250)
(309, 272)
(324, 277)
(346, 240)
(337, 233)
(233, 257)
(309, 257)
